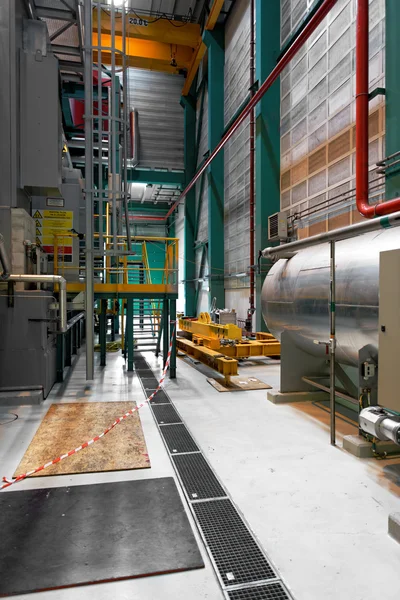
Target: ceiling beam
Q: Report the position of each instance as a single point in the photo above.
(160, 30)
(144, 54)
(201, 49)
(214, 14)
(194, 65)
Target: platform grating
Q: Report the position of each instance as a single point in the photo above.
(236, 553)
(165, 413)
(197, 476)
(160, 398)
(178, 439)
(144, 372)
(272, 591)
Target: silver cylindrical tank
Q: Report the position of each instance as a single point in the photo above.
(295, 294)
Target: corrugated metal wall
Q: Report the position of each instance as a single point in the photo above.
(318, 114)
(237, 164)
(156, 97)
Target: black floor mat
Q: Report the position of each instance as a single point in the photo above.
(68, 536)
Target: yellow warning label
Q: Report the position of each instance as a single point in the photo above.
(57, 214)
(53, 227)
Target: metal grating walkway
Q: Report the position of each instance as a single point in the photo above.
(242, 568)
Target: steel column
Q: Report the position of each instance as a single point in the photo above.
(172, 333)
(165, 330)
(68, 353)
(190, 204)
(60, 357)
(216, 60)
(267, 132)
(392, 84)
(103, 332)
(129, 332)
(89, 290)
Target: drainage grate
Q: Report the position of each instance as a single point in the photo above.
(197, 476)
(178, 439)
(236, 554)
(144, 372)
(160, 398)
(149, 383)
(165, 413)
(273, 591)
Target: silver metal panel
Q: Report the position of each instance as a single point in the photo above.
(389, 329)
(296, 291)
(237, 163)
(156, 97)
(318, 104)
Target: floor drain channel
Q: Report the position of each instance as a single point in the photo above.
(197, 477)
(272, 591)
(236, 553)
(160, 398)
(165, 413)
(178, 439)
(243, 569)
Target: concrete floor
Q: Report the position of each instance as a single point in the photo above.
(320, 513)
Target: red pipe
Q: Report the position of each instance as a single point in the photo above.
(362, 114)
(252, 307)
(272, 77)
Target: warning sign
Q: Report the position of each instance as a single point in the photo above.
(54, 227)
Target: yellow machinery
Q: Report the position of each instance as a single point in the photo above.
(220, 346)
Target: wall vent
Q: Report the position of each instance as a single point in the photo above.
(277, 227)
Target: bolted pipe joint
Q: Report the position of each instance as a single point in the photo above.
(381, 424)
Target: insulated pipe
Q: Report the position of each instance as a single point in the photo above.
(344, 233)
(272, 77)
(5, 263)
(362, 116)
(48, 279)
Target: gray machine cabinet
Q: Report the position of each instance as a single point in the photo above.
(27, 346)
(40, 124)
(389, 329)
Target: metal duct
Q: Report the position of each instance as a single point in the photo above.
(296, 291)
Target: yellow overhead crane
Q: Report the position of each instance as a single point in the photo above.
(221, 346)
(154, 44)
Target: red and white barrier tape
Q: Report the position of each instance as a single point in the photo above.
(8, 482)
